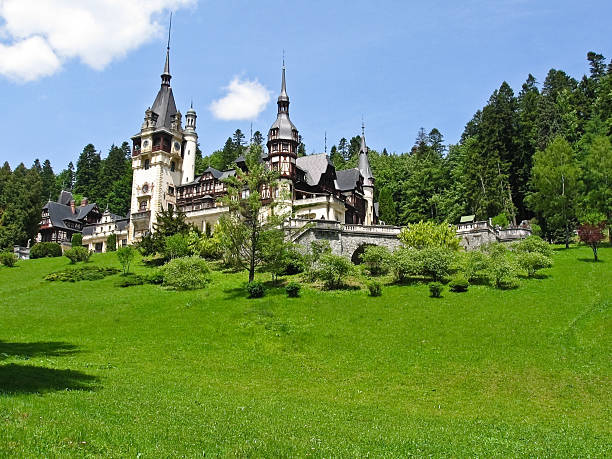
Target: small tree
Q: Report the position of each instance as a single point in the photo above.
(275, 252)
(77, 240)
(125, 256)
(248, 220)
(533, 261)
(592, 234)
(111, 243)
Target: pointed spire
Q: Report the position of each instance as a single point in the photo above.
(166, 75)
(364, 163)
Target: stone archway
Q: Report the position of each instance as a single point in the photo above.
(356, 257)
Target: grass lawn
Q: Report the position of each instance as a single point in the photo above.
(90, 369)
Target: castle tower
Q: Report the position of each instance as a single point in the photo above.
(368, 179)
(283, 140)
(189, 146)
(163, 157)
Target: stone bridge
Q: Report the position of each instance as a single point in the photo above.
(345, 239)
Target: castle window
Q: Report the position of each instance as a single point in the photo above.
(143, 205)
(285, 147)
(147, 164)
(171, 190)
(172, 166)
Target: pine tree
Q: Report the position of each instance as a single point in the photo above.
(65, 179)
(228, 154)
(258, 138)
(386, 206)
(49, 182)
(88, 172)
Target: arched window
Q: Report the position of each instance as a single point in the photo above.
(143, 205)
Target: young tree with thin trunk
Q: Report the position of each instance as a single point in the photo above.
(245, 228)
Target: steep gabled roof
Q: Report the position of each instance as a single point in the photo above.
(347, 179)
(314, 166)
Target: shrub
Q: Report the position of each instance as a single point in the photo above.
(111, 243)
(429, 234)
(436, 262)
(533, 261)
(8, 259)
(81, 273)
(333, 269)
(46, 249)
(209, 247)
(533, 244)
(406, 263)
(376, 260)
(459, 284)
(187, 273)
(156, 276)
(293, 289)
(375, 288)
(78, 253)
(476, 266)
(176, 246)
(503, 273)
(508, 283)
(77, 240)
(129, 280)
(125, 256)
(295, 263)
(255, 289)
(435, 289)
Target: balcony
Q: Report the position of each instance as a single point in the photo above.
(164, 148)
(141, 220)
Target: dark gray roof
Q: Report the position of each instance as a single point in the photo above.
(283, 123)
(347, 179)
(314, 166)
(82, 211)
(164, 106)
(65, 197)
(122, 224)
(88, 230)
(364, 164)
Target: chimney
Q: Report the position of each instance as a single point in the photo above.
(84, 202)
(72, 206)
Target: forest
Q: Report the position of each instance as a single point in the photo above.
(542, 153)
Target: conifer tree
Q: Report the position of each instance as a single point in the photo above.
(88, 172)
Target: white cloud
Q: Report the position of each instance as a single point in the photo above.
(244, 100)
(39, 36)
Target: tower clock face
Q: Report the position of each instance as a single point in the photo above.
(177, 146)
(145, 144)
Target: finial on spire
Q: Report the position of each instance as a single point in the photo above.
(191, 105)
(166, 75)
(325, 141)
(283, 58)
(283, 94)
(362, 127)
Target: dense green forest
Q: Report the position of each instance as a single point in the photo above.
(542, 154)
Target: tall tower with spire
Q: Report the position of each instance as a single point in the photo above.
(283, 137)
(368, 179)
(163, 157)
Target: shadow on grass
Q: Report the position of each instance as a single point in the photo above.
(28, 350)
(590, 260)
(28, 379)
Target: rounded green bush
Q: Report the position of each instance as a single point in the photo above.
(375, 288)
(77, 240)
(187, 273)
(76, 254)
(8, 259)
(435, 289)
(459, 284)
(45, 249)
(255, 289)
(293, 289)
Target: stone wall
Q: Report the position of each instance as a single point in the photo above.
(347, 239)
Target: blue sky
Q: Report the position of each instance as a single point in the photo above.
(399, 64)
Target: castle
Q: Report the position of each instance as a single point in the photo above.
(163, 163)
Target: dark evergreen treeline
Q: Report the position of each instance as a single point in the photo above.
(24, 191)
(543, 153)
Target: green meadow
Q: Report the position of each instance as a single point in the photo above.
(91, 369)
